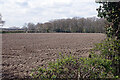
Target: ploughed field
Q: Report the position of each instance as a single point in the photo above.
(25, 51)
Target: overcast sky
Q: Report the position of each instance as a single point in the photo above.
(18, 12)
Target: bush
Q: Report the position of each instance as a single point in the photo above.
(72, 67)
(109, 49)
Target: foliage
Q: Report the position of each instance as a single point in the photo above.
(71, 67)
(108, 49)
(111, 12)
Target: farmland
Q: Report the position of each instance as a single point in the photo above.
(21, 52)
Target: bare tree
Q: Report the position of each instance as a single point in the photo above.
(25, 27)
(1, 22)
(31, 27)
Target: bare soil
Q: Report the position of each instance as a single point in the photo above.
(25, 51)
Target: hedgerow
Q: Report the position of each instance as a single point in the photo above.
(72, 67)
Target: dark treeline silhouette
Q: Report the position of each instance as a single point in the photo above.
(70, 25)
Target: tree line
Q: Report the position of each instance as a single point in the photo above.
(70, 25)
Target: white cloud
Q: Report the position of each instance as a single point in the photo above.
(17, 12)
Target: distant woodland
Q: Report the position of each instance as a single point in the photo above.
(70, 25)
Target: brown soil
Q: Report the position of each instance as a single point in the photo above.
(23, 52)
